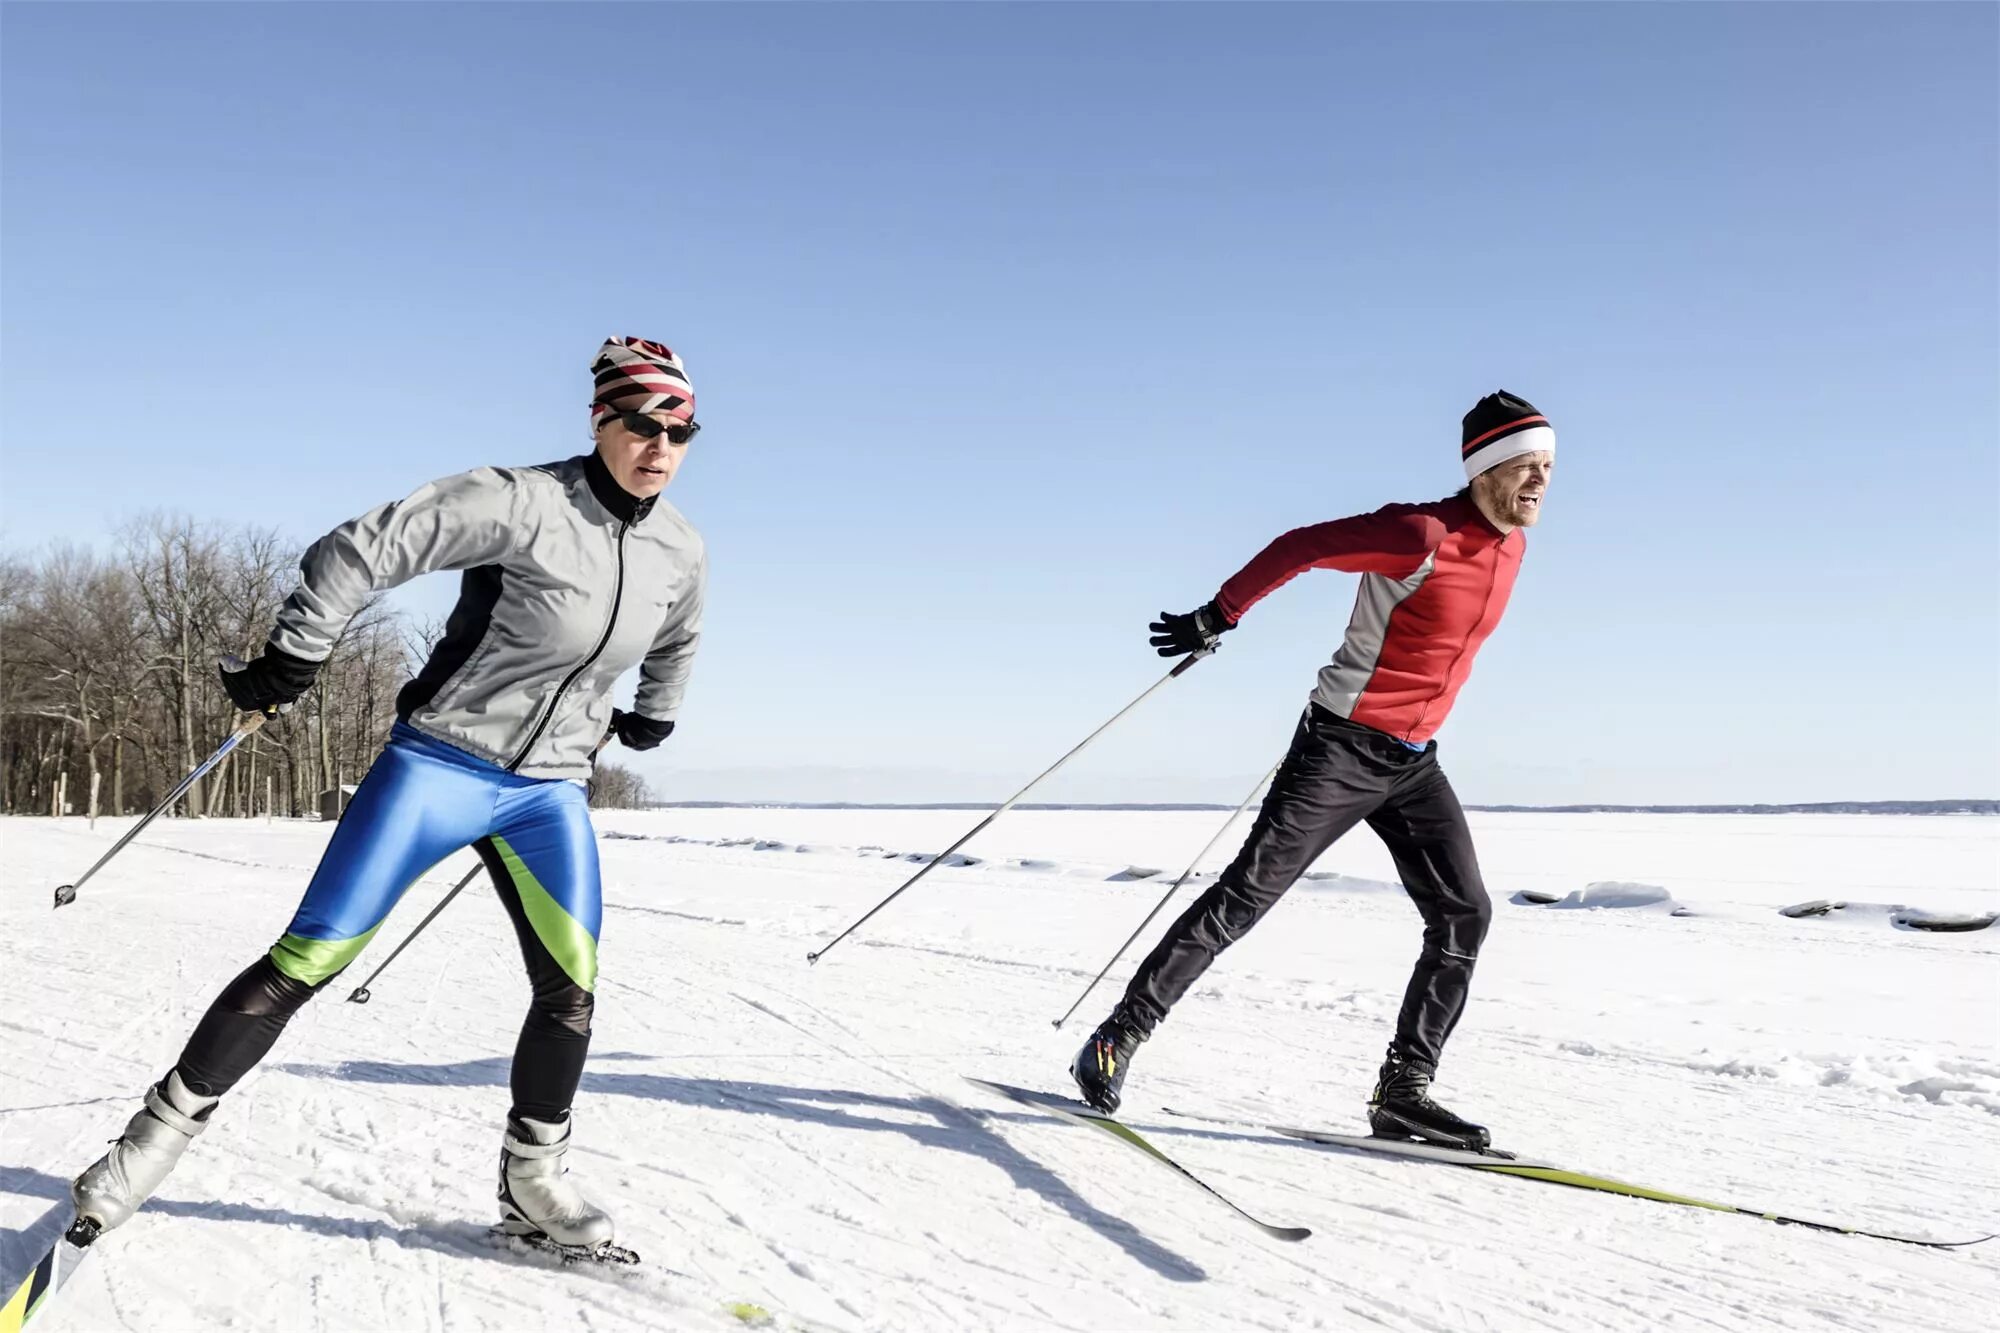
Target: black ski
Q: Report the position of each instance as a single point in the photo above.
(1068, 1109)
(47, 1277)
(1507, 1165)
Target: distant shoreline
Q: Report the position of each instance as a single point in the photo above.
(1812, 808)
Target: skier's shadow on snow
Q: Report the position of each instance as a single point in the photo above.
(942, 1125)
(447, 1236)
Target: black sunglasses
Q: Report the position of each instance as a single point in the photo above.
(646, 428)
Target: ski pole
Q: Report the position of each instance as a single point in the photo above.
(933, 863)
(66, 893)
(1161, 905)
(361, 994)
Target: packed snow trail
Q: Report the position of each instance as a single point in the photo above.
(801, 1141)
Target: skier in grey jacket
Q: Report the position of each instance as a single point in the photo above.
(573, 573)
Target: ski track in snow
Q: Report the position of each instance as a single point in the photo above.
(798, 1137)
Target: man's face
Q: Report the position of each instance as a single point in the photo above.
(643, 466)
(1511, 494)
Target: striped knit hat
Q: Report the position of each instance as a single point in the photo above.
(638, 375)
(1501, 426)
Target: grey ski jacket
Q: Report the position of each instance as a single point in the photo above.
(569, 582)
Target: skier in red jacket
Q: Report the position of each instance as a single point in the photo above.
(1435, 580)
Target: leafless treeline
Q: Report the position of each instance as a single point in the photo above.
(107, 672)
(107, 668)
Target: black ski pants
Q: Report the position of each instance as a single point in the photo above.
(1337, 774)
(246, 1020)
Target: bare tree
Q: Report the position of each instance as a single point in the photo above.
(174, 561)
(17, 582)
(616, 787)
(420, 636)
(253, 579)
(75, 641)
(124, 661)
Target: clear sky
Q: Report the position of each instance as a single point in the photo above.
(1013, 325)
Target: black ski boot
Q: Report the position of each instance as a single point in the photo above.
(1099, 1069)
(1402, 1108)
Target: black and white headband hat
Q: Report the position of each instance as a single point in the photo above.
(1501, 426)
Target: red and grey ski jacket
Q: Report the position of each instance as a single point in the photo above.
(1434, 582)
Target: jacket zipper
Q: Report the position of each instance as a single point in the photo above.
(555, 700)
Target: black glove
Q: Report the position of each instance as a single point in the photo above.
(272, 681)
(1176, 636)
(639, 733)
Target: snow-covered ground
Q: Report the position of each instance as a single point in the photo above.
(799, 1138)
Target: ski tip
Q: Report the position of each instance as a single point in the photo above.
(1961, 1244)
(1287, 1233)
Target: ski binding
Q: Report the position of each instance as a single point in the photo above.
(602, 1253)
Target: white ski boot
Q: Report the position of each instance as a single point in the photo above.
(117, 1183)
(537, 1199)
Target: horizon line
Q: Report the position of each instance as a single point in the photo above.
(1975, 806)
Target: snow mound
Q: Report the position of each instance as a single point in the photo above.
(1913, 1075)
(1326, 881)
(1817, 907)
(1898, 915)
(1914, 919)
(955, 859)
(1613, 893)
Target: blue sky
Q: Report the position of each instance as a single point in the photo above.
(1013, 325)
